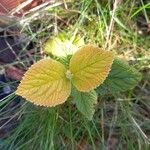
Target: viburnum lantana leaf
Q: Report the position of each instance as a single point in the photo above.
(60, 46)
(122, 77)
(90, 67)
(45, 83)
(55, 47)
(48, 82)
(85, 102)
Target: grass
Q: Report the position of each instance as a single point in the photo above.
(120, 122)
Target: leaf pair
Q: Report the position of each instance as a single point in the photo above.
(48, 82)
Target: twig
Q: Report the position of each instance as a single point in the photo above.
(30, 15)
(20, 7)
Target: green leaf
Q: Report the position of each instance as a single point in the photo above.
(122, 77)
(85, 102)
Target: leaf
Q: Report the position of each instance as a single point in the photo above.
(69, 48)
(85, 102)
(45, 83)
(55, 47)
(122, 77)
(62, 46)
(90, 66)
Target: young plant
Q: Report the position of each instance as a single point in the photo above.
(49, 82)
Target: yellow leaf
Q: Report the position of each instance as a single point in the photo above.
(59, 48)
(45, 83)
(90, 66)
(55, 47)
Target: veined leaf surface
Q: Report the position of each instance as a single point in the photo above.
(90, 66)
(121, 78)
(85, 102)
(45, 83)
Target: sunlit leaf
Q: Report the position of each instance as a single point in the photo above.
(90, 66)
(45, 83)
(55, 47)
(63, 46)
